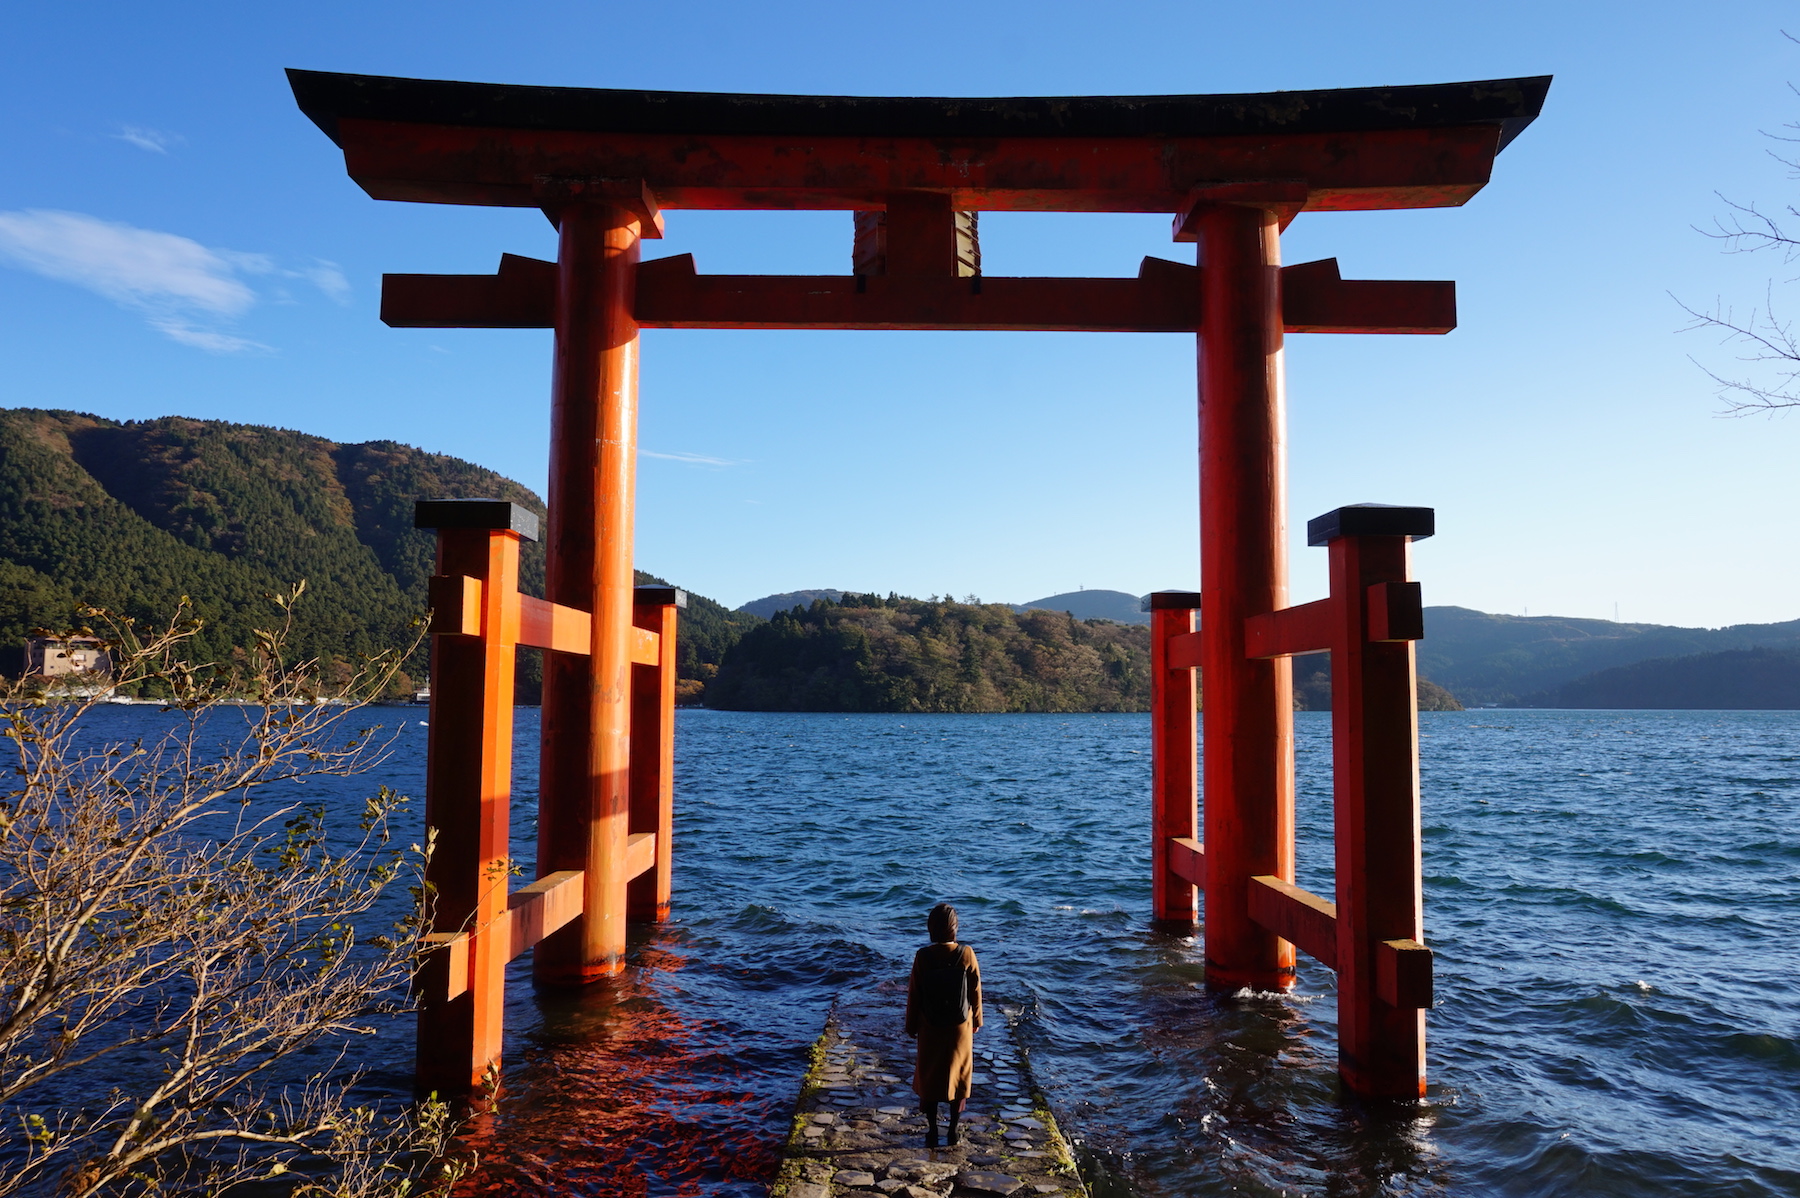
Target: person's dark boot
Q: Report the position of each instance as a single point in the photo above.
(931, 1136)
(955, 1136)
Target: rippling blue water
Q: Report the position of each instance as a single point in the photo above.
(1613, 898)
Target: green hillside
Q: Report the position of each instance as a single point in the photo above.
(867, 653)
(133, 516)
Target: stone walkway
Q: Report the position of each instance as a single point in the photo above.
(858, 1131)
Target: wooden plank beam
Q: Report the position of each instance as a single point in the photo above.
(1292, 630)
(671, 294)
(1185, 650)
(522, 295)
(640, 853)
(644, 647)
(1341, 171)
(543, 907)
(1315, 299)
(1396, 612)
(1299, 917)
(1403, 970)
(544, 625)
(443, 971)
(1187, 860)
(455, 601)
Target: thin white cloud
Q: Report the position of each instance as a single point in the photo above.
(184, 289)
(138, 267)
(329, 278)
(210, 340)
(154, 140)
(691, 459)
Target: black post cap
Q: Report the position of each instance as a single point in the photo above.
(1371, 520)
(655, 596)
(475, 513)
(1174, 600)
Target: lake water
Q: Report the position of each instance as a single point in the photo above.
(1613, 898)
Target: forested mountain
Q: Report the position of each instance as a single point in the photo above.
(869, 653)
(133, 516)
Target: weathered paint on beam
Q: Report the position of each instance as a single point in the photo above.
(454, 164)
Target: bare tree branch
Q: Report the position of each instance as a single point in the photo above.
(178, 933)
(1769, 377)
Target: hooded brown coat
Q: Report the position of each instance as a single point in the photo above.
(946, 1061)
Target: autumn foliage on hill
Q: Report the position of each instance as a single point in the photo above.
(869, 653)
(139, 516)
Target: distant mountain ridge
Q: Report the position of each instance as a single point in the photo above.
(768, 605)
(1084, 604)
(1483, 658)
(1730, 680)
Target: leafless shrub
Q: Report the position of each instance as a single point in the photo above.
(1768, 379)
(181, 967)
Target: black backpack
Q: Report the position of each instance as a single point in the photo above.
(943, 993)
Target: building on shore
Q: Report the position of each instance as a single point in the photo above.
(82, 661)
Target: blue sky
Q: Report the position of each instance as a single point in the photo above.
(175, 238)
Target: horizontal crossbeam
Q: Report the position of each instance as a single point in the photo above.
(1403, 971)
(544, 625)
(1340, 171)
(1300, 917)
(1187, 860)
(547, 905)
(1184, 651)
(1164, 298)
(1396, 612)
(532, 913)
(456, 611)
(1309, 628)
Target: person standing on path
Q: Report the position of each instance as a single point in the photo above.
(943, 1010)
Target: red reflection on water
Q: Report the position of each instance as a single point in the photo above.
(616, 1094)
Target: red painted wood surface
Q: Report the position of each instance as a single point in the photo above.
(1174, 772)
(1163, 298)
(1375, 780)
(1248, 766)
(1300, 917)
(458, 164)
(1403, 974)
(468, 790)
(1309, 628)
(584, 780)
(1187, 860)
(653, 760)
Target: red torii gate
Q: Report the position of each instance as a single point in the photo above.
(1233, 170)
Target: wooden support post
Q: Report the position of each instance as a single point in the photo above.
(1375, 770)
(584, 781)
(1174, 773)
(468, 789)
(653, 750)
(1248, 763)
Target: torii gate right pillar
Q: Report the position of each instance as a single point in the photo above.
(1247, 714)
